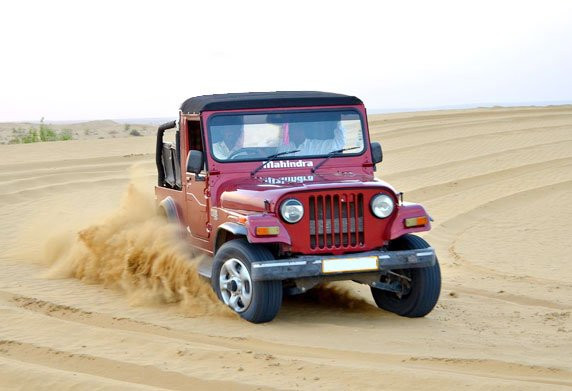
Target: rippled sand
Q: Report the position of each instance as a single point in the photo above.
(498, 183)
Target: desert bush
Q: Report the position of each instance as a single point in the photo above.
(31, 137)
(135, 132)
(26, 138)
(65, 135)
(45, 133)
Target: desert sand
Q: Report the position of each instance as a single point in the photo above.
(95, 294)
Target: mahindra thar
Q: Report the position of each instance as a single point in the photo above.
(278, 190)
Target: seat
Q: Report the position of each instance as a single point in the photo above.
(177, 164)
(168, 157)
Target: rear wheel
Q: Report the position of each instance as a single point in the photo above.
(255, 301)
(420, 288)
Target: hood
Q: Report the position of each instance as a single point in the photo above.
(260, 194)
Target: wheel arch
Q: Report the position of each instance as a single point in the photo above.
(229, 231)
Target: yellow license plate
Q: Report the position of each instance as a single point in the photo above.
(360, 264)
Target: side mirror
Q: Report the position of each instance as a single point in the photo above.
(376, 153)
(195, 161)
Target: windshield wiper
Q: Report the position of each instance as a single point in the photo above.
(270, 158)
(330, 155)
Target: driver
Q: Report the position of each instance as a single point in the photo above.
(230, 140)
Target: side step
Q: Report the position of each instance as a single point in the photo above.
(205, 268)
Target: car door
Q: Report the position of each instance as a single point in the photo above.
(197, 195)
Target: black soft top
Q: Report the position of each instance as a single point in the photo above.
(265, 100)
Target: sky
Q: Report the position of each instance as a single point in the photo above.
(80, 60)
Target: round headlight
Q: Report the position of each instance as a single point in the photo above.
(382, 205)
(292, 210)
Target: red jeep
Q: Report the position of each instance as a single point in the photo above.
(278, 189)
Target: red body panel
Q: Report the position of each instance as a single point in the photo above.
(197, 202)
(405, 211)
(264, 221)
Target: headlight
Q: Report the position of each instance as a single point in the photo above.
(292, 210)
(382, 205)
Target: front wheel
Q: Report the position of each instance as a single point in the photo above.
(255, 301)
(420, 287)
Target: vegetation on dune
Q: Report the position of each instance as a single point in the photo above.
(44, 133)
(26, 133)
(135, 132)
(132, 132)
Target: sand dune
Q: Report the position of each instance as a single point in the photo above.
(498, 183)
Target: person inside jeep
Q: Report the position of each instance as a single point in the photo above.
(229, 139)
(314, 139)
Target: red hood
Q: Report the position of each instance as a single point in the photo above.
(250, 194)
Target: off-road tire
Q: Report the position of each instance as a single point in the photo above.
(425, 284)
(266, 295)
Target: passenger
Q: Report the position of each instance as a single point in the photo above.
(304, 136)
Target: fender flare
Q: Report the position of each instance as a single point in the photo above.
(234, 228)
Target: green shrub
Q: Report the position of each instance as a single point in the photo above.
(27, 138)
(44, 134)
(65, 135)
(135, 132)
(47, 134)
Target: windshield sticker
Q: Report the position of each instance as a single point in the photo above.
(288, 179)
(289, 164)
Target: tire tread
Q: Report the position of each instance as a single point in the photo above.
(425, 296)
(267, 298)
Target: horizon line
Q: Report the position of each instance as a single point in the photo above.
(388, 110)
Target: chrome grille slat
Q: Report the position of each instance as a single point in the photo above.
(337, 226)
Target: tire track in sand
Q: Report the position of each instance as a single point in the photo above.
(281, 354)
(113, 369)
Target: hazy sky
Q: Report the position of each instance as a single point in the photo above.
(125, 59)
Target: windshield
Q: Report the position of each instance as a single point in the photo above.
(309, 134)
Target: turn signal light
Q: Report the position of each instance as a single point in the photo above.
(267, 231)
(415, 221)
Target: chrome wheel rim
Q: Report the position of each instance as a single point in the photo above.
(235, 285)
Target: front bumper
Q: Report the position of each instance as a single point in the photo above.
(338, 265)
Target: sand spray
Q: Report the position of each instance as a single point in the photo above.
(134, 249)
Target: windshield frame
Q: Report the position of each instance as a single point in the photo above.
(365, 137)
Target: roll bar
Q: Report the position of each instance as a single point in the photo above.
(159, 148)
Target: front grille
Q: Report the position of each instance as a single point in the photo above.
(336, 221)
